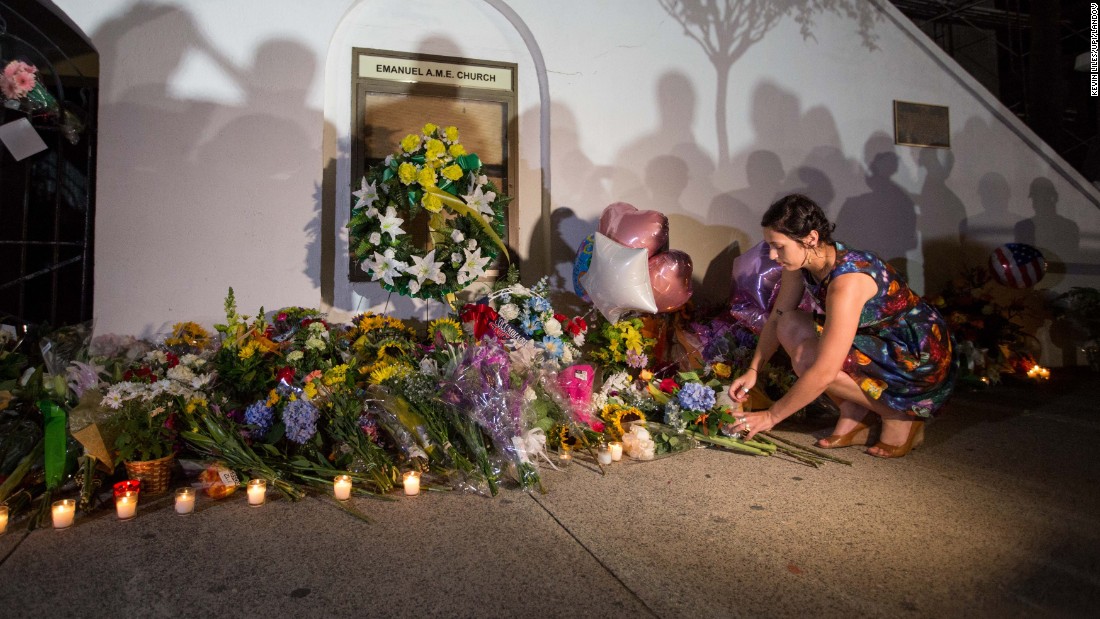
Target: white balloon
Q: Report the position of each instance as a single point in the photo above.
(617, 280)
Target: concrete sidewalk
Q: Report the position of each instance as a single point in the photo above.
(998, 515)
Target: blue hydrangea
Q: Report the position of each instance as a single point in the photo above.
(300, 418)
(696, 397)
(538, 304)
(260, 415)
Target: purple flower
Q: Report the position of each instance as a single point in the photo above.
(636, 359)
(696, 397)
(300, 418)
(260, 415)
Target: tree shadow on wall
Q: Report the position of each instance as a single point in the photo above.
(727, 29)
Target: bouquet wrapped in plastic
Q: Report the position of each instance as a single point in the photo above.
(482, 389)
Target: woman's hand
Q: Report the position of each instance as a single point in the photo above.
(749, 425)
(739, 389)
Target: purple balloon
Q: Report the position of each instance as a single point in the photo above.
(628, 226)
(754, 286)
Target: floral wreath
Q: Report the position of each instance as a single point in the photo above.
(522, 317)
(430, 172)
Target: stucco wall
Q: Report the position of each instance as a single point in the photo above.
(214, 116)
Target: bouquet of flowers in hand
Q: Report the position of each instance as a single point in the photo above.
(526, 323)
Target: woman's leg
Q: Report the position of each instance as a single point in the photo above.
(798, 336)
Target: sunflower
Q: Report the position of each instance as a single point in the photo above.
(188, 334)
(446, 329)
(386, 372)
(562, 436)
(618, 415)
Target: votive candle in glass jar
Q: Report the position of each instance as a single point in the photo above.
(603, 453)
(3, 519)
(257, 492)
(412, 483)
(341, 487)
(616, 448)
(565, 455)
(185, 501)
(126, 505)
(63, 513)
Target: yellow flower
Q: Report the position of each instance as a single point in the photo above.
(721, 370)
(387, 372)
(272, 398)
(406, 173)
(188, 334)
(645, 374)
(310, 389)
(429, 129)
(247, 350)
(456, 150)
(336, 375)
(426, 177)
(452, 172)
(410, 143)
(451, 133)
(617, 415)
(447, 328)
(194, 403)
(432, 203)
(434, 149)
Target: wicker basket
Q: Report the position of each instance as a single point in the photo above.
(154, 474)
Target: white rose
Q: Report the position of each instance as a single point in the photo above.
(552, 327)
(509, 311)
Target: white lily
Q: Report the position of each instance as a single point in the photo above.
(473, 267)
(391, 224)
(367, 194)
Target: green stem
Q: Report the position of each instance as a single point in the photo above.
(815, 452)
(21, 469)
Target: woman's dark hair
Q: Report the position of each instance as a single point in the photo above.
(796, 216)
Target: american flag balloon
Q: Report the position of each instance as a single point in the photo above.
(1018, 265)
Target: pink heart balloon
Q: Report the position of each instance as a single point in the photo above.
(646, 230)
(670, 276)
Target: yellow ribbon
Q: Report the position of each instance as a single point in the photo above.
(461, 208)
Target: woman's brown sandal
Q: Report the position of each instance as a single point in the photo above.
(860, 435)
(916, 438)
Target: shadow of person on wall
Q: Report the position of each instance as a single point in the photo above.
(1057, 237)
(941, 213)
(994, 226)
(883, 220)
(581, 186)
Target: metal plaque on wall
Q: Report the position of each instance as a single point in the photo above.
(921, 124)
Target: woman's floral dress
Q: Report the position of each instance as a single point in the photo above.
(902, 353)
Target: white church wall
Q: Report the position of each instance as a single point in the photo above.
(211, 152)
